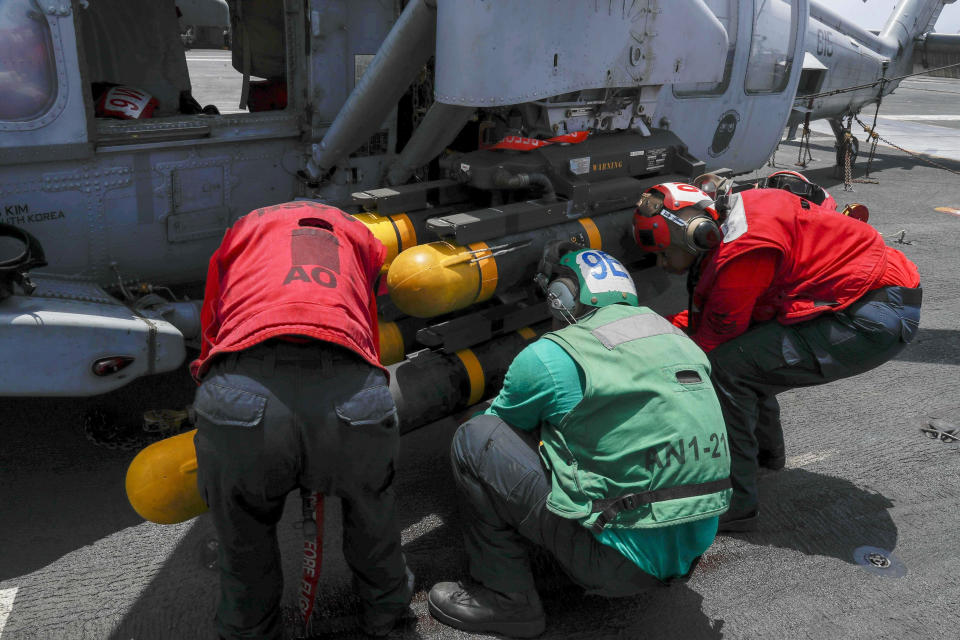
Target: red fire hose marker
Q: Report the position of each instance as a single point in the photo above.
(312, 553)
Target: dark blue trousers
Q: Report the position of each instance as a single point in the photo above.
(750, 370)
(504, 488)
(280, 416)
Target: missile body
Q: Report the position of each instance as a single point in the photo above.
(440, 277)
(430, 385)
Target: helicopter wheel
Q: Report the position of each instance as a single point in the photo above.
(105, 428)
(840, 168)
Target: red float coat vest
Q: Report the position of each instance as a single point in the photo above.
(299, 268)
(826, 260)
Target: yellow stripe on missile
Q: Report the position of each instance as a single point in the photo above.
(474, 374)
(527, 333)
(488, 270)
(405, 230)
(593, 234)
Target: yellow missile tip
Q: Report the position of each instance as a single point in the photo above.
(382, 230)
(396, 232)
(391, 343)
(162, 481)
(432, 279)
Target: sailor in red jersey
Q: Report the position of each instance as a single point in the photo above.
(292, 395)
(783, 293)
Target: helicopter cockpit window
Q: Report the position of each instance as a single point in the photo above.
(162, 58)
(134, 45)
(28, 79)
(726, 12)
(771, 47)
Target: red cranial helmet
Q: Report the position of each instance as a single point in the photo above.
(658, 221)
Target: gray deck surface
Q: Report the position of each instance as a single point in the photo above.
(76, 561)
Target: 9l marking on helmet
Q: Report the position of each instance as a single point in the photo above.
(603, 273)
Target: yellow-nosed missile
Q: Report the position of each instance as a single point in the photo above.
(435, 385)
(436, 278)
(162, 481)
(396, 232)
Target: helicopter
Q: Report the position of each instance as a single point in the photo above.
(463, 134)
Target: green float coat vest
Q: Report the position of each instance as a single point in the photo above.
(649, 421)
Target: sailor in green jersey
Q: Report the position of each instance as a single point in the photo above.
(606, 446)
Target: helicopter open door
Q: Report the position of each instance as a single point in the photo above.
(127, 207)
(41, 108)
(740, 119)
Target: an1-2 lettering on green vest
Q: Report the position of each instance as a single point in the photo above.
(676, 452)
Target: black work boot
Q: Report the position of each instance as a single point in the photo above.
(738, 521)
(475, 608)
(379, 622)
(774, 459)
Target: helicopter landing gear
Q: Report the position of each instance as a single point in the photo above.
(847, 149)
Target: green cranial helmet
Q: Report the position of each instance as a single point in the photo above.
(588, 279)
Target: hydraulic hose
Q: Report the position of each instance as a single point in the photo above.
(503, 179)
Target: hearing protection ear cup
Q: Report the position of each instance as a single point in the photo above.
(702, 233)
(564, 292)
(552, 253)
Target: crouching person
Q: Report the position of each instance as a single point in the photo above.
(783, 294)
(293, 396)
(606, 446)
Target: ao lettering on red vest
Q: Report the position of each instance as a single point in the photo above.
(314, 256)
